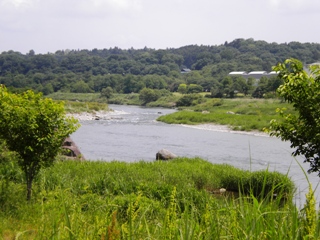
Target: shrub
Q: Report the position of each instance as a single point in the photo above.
(189, 100)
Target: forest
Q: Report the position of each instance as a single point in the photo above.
(193, 68)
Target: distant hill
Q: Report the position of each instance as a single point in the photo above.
(92, 70)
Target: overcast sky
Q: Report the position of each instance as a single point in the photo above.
(51, 25)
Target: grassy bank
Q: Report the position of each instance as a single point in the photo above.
(80, 102)
(238, 114)
(78, 107)
(179, 199)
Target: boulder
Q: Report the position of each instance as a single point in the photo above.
(164, 154)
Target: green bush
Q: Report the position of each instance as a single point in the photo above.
(189, 100)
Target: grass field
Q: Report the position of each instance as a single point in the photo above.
(178, 199)
(238, 114)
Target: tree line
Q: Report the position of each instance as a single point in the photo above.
(131, 70)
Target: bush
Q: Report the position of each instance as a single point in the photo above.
(189, 100)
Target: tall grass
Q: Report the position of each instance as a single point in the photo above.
(81, 97)
(78, 107)
(179, 199)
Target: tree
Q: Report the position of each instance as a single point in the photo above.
(301, 129)
(194, 88)
(148, 95)
(47, 89)
(81, 87)
(189, 100)
(182, 88)
(106, 92)
(35, 128)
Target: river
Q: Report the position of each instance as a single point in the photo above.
(131, 133)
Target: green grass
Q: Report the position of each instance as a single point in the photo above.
(77, 107)
(238, 114)
(125, 99)
(81, 97)
(150, 200)
(166, 102)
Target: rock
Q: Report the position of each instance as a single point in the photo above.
(229, 112)
(222, 190)
(72, 150)
(164, 154)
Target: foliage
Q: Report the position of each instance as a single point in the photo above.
(148, 200)
(189, 100)
(130, 70)
(107, 92)
(194, 88)
(78, 107)
(302, 129)
(125, 99)
(34, 128)
(76, 97)
(147, 95)
(182, 88)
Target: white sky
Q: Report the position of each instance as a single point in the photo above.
(51, 25)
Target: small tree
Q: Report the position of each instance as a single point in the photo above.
(106, 92)
(182, 88)
(303, 129)
(147, 95)
(194, 88)
(35, 128)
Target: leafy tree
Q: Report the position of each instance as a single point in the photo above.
(47, 89)
(189, 100)
(35, 128)
(194, 88)
(148, 95)
(81, 87)
(301, 129)
(182, 88)
(107, 92)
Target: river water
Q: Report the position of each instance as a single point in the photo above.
(131, 133)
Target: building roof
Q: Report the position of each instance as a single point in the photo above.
(257, 72)
(238, 73)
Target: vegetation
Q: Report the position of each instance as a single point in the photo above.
(34, 128)
(154, 200)
(76, 97)
(179, 199)
(78, 107)
(303, 92)
(238, 114)
(115, 71)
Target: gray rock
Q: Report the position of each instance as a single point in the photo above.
(164, 154)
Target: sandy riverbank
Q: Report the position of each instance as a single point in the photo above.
(99, 115)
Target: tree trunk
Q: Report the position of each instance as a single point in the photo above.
(29, 187)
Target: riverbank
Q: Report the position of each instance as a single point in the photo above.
(224, 128)
(97, 115)
(239, 114)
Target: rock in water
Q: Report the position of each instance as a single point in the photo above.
(164, 154)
